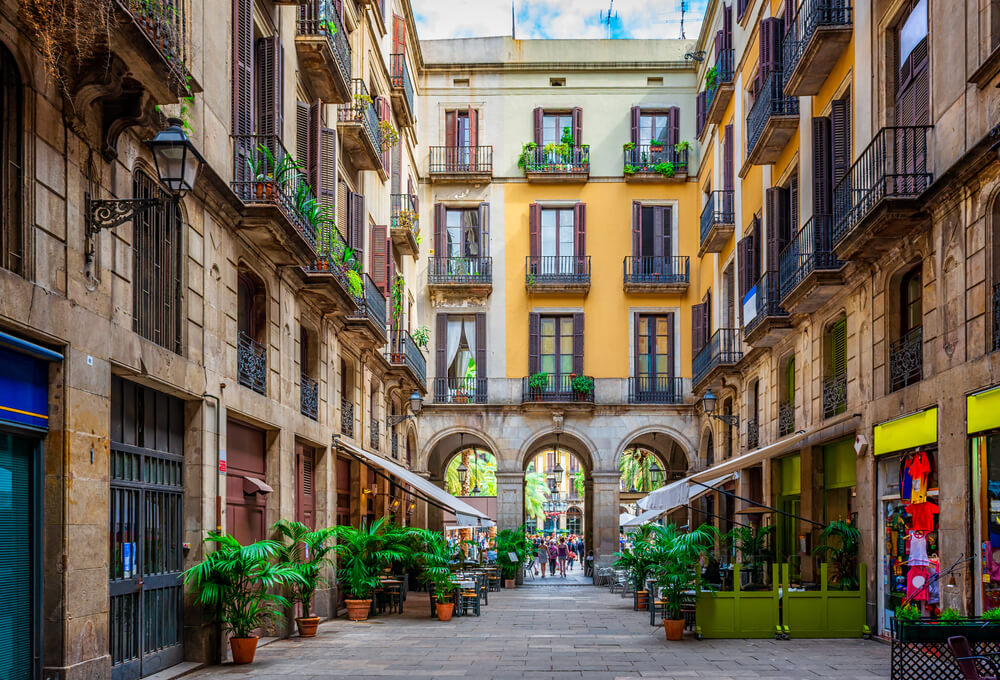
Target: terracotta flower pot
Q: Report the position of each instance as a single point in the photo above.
(307, 625)
(445, 610)
(674, 629)
(357, 610)
(244, 649)
(510, 583)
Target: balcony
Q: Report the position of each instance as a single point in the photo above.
(557, 389)
(374, 439)
(346, 417)
(657, 273)
(460, 390)
(251, 363)
(323, 51)
(813, 43)
(722, 93)
(773, 120)
(325, 282)
(461, 276)
(718, 222)
(655, 389)
(753, 434)
(554, 166)
(557, 274)
(834, 395)
(655, 163)
(718, 357)
(906, 360)
(270, 187)
(786, 418)
(404, 355)
(369, 319)
(810, 273)
(309, 397)
(402, 90)
(765, 320)
(358, 130)
(996, 317)
(461, 164)
(877, 201)
(404, 224)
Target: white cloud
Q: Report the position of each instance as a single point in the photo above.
(554, 18)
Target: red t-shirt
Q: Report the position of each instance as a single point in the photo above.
(922, 516)
(918, 469)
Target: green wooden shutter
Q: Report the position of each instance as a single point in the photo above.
(15, 557)
(838, 348)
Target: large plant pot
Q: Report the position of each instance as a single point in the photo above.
(307, 625)
(510, 583)
(357, 610)
(674, 629)
(642, 599)
(244, 649)
(445, 610)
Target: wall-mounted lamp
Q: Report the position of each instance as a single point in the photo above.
(416, 403)
(708, 405)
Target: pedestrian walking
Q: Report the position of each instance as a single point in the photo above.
(553, 556)
(541, 557)
(562, 553)
(570, 560)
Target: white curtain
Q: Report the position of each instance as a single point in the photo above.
(470, 218)
(470, 337)
(454, 336)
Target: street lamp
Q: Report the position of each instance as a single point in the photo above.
(708, 403)
(463, 473)
(654, 470)
(416, 403)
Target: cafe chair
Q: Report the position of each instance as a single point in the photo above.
(469, 599)
(969, 663)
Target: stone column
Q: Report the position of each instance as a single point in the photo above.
(510, 500)
(605, 514)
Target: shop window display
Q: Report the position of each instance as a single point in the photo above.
(987, 469)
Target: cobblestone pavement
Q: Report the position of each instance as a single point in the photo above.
(547, 632)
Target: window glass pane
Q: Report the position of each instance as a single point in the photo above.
(662, 365)
(566, 364)
(548, 325)
(470, 231)
(566, 326)
(548, 228)
(661, 326)
(913, 30)
(548, 364)
(566, 344)
(643, 344)
(566, 237)
(463, 128)
(645, 129)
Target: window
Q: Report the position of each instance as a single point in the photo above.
(554, 125)
(557, 233)
(906, 352)
(654, 349)
(786, 404)
(835, 368)
(346, 398)
(993, 343)
(911, 292)
(555, 348)
(251, 332)
(652, 236)
(462, 128)
(727, 433)
(462, 347)
(710, 450)
(556, 334)
(11, 164)
(753, 415)
(557, 240)
(912, 102)
(654, 127)
(460, 350)
(462, 234)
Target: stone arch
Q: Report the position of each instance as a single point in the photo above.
(571, 439)
(446, 443)
(640, 433)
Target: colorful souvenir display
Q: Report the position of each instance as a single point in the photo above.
(911, 535)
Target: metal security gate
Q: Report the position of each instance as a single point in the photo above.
(146, 513)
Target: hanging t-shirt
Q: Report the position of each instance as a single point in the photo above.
(922, 516)
(916, 580)
(918, 469)
(934, 589)
(917, 556)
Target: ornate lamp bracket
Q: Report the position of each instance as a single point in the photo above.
(109, 213)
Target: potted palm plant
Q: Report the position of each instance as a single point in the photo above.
(511, 542)
(638, 561)
(753, 545)
(841, 542)
(435, 560)
(236, 581)
(308, 553)
(676, 561)
(362, 554)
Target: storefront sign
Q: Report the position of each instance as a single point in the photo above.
(983, 410)
(24, 396)
(908, 432)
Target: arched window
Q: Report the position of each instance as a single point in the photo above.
(835, 368)
(786, 403)
(250, 322)
(156, 274)
(993, 342)
(710, 450)
(753, 415)
(11, 163)
(906, 353)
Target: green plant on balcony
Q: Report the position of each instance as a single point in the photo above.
(628, 146)
(330, 27)
(270, 173)
(656, 145)
(531, 280)
(666, 169)
(628, 169)
(354, 284)
(682, 146)
(712, 78)
(527, 150)
(360, 99)
(390, 136)
(992, 615)
(421, 336)
(539, 382)
(583, 385)
(396, 297)
(406, 219)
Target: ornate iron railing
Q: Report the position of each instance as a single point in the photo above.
(906, 359)
(374, 439)
(657, 269)
(457, 160)
(165, 23)
(309, 397)
(720, 209)
(655, 389)
(724, 347)
(404, 212)
(251, 359)
(557, 388)
(576, 159)
(652, 159)
(811, 249)
(894, 165)
(346, 417)
(393, 441)
(768, 301)
(996, 316)
(371, 303)
(786, 418)
(399, 76)
(361, 109)
(811, 15)
(723, 75)
(265, 174)
(771, 101)
(460, 390)
(404, 351)
(320, 17)
(834, 395)
(753, 434)
(460, 270)
(557, 269)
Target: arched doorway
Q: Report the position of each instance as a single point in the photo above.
(465, 465)
(647, 463)
(574, 520)
(557, 472)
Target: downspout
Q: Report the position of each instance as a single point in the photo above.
(220, 457)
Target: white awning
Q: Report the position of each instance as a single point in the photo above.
(465, 514)
(644, 518)
(697, 490)
(625, 518)
(666, 497)
(750, 458)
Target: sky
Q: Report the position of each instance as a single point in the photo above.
(556, 18)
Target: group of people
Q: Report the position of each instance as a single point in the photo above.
(559, 556)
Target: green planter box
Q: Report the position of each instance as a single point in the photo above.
(823, 613)
(927, 630)
(738, 613)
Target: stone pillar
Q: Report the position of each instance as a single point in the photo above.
(588, 514)
(605, 515)
(510, 500)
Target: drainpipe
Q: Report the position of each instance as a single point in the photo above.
(220, 457)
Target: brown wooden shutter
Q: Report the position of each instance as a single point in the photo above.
(243, 67)
(674, 129)
(481, 373)
(398, 35)
(577, 125)
(580, 221)
(474, 131)
(305, 496)
(822, 196)
(727, 27)
(384, 110)
(757, 248)
(314, 150)
(742, 251)
(270, 87)
(343, 212)
(534, 343)
(441, 346)
(578, 343)
(440, 242)
(484, 229)
(697, 327)
(773, 201)
(670, 345)
(328, 168)
(358, 221)
(451, 128)
(727, 159)
(534, 223)
(637, 229)
(793, 208)
(634, 117)
(378, 256)
(637, 367)
(699, 118)
(840, 127)
(538, 118)
(302, 141)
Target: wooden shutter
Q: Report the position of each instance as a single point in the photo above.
(302, 150)
(667, 231)
(534, 343)
(538, 117)
(727, 159)
(481, 346)
(534, 224)
(313, 147)
(793, 208)
(838, 348)
(270, 87)
(673, 129)
(697, 327)
(670, 345)
(390, 267)
(706, 323)
(727, 28)
(243, 67)
(789, 14)
(578, 343)
(822, 185)
(398, 35)
(343, 212)
(840, 128)
(484, 229)
(327, 168)
(441, 346)
(378, 264)
(634, 117)
(764, 51)
(577, 125)
(474, 131)
(773, 199)
(699, 118)
(742, 251)
(636, 344)
(396, 173)
(580, 222)
(451, 128)
(305, 493)
(719, 42)
(756, 254)
(357, 229)
(637, 229)
(440, 228)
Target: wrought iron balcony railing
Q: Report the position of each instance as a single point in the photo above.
(753, 434)
(458, 160)
(374, 439)
(771, 101)
(724, 347)
(346, 417)
(361, 109)
(309, 396)
(720, 209)
(834, 395)
(811, 15)
(996, 316)
(393, 441)
(165, 23)
(810, 250)
(723, 76)
(404, 212)
(403, 351)
(768, 301)
(557, 388)
(460, 270)
(251, 359)
(666, 269)
(557, 269)
(906, 359)
(265, 174)
(399, 76)
(575, 160)
(371, 303)
(786, 418)
(460, 390)
(656, 159)
(320, 17)
(894, 165)
(655, 389)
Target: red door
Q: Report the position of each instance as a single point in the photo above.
(305, 495)
(246, 482)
